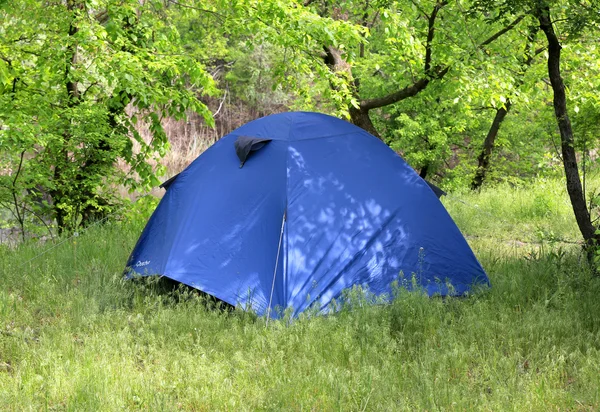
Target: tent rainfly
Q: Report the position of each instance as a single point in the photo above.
(289, 210)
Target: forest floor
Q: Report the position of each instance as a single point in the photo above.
(75, 335)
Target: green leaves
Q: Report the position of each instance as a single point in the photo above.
(83, 77)
(5, 78)
(94, 82)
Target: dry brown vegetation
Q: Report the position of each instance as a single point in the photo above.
(189, 138)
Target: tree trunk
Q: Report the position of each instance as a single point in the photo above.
(361, 119)
(72, 100)
(483, 160)
(574, 187)
(423, 171)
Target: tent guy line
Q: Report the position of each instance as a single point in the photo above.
(276, 265)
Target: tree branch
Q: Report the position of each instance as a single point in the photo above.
(372, 23)
(89, 87)
(502, 31)
(434, 73)
(404, 93)
(419, 8)
(41, 220)
(430, 34)
(101, 17)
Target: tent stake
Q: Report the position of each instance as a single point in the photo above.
(276, 264)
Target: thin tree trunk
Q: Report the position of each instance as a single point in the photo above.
(574, 187)
(483, 160)
(72, 100)
(20, 217)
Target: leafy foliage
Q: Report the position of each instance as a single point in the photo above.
(78, 78)
(75, 77)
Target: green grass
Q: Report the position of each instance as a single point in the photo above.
(540, 213)
(75, 336)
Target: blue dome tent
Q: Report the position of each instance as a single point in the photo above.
(291, 209)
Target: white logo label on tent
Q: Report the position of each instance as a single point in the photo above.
(140, 263)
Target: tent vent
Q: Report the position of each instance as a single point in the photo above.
(244, 145)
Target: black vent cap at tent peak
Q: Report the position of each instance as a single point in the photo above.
(244, 145)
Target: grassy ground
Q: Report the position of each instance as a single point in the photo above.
(74, 335)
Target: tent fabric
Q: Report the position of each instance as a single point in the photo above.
(353, 213)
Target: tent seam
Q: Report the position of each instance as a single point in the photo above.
(286, 206)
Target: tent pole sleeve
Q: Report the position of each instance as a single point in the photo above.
(276, 264)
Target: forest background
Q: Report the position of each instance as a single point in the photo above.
(99, 97)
